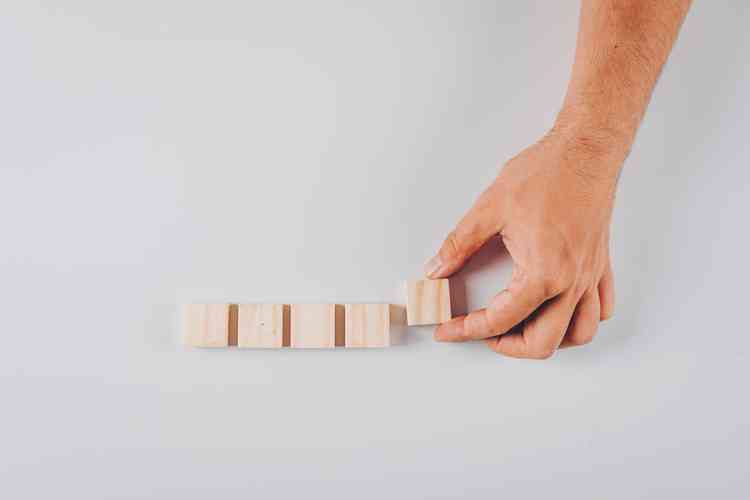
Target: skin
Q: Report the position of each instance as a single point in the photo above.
(552, 204)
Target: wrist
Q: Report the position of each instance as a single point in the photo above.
(594, 144)
(594, 132)
(590, 151)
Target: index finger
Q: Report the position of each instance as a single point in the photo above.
(506, 310)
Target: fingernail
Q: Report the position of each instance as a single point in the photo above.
(433, 266)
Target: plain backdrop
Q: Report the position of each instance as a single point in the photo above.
(159, 152)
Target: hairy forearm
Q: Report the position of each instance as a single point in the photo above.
(622, 46)
(552, 203)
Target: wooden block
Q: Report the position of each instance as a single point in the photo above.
(313, 325)
(207, 325)
(260, 325)
(428, 302)
(367, 325)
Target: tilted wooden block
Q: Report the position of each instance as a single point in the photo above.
(313, 325)
(428, 302)
(260, 325)
(367, 325)
(206, 325)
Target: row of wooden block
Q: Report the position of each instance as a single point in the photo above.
(312, 325)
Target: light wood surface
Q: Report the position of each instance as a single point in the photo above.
(367, 325)
(428, 302)
(313, 325)
(260, 325)
(206, 325)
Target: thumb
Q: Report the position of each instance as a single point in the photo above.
(480, 223)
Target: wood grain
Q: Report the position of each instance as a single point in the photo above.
(428, 302)
(313, 325)
(206, 325)
(367, 325)
(260, 325)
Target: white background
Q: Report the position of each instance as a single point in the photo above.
(154, 153)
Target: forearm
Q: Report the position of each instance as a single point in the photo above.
(552, 203)
(622, 46)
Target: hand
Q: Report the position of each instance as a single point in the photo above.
(552, 206)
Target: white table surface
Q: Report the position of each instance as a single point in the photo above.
(162, 152)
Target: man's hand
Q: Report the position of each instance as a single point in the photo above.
(553, 217)
(552, 203)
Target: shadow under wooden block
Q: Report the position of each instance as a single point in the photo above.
(428, 302)
(260, 325)
(367, 325)
(313, 325)
(206, 325)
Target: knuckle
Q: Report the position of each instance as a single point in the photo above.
(452, 247)
(535, 285)
(583, 339)
(542, 353)
(466, 333)
(584, 283)
(542, 350)
(558, 268)
(583, 334)
(554, 283)
(476, 326)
